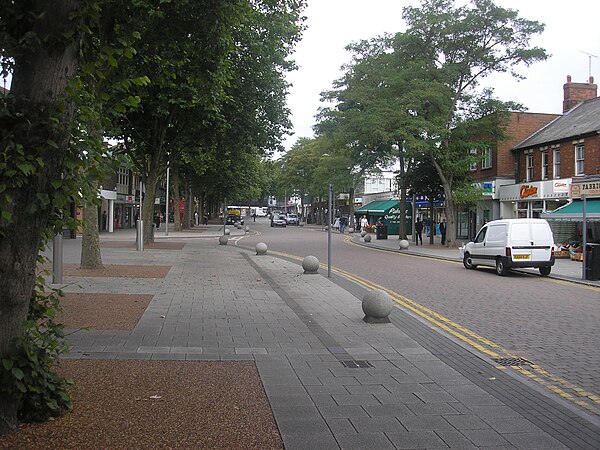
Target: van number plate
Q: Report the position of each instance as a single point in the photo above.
(521, 257)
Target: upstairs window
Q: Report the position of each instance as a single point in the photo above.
(579, 160)
(529, 168)
(556, 166)
(473, 166)
(544, 165)
(487, 159)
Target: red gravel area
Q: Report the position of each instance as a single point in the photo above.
(158, 404)
(102, 311)
(118, 270)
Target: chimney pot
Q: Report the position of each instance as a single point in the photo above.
(568, 78)
(591, 79)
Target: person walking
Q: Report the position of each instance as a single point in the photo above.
(343, 223)
(419, 231)
(443, 232)
(364, 223)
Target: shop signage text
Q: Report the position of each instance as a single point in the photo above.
(590, 189)
(528, 191)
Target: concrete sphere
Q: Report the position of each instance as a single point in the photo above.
(377, 306)
(261, 248)
(367, 238)
(310, 264)
(363, 233)
(350, 230)
(403, 244)
(223, 239)
(247, 228)
(227, 231)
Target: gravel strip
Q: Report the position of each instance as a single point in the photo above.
(158, 404)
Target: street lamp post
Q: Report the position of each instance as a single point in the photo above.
(167, 203)
(330, 195)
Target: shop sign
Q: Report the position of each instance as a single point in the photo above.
(560, 186)
(527, 191)
(590, 189)
(488, 189)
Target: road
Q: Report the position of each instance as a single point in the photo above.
(551, 326)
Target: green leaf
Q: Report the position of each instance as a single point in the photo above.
(17, 373)
(7, 363)
(7, 216)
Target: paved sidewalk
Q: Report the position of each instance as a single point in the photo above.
(307, 338)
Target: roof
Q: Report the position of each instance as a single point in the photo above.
(377, 207)
(579, 121)
(573, 212)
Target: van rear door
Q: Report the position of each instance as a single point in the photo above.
(542, 241)
(520, 241)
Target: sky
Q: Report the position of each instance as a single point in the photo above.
(572, 32)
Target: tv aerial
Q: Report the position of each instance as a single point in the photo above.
(590, 56)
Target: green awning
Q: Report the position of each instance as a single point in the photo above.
(573, 212)
(378, 207)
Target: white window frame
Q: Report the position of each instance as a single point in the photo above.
(544, 165)
(473, 166)
(579, 160)
(487, 159)
(556, 163)
(529, 165)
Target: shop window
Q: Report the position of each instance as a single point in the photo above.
(529, 167)
(544, 165)
(556, 163)
(487, 159)
(579, 159)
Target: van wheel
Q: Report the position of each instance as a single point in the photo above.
(468, 263)
(500, 267)
(545, 271)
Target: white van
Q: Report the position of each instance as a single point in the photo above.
(509, 243)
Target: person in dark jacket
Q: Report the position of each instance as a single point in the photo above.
(419, 231)
(443, 231)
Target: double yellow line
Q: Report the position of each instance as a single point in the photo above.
(533, 372)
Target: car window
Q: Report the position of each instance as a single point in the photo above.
(481, 235)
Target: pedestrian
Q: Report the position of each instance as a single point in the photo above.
(336, 224)
(443, 231)
(157, 220)
(103, 220)
(343, 223)
(254, 216)
(419, 231)
(364, 223)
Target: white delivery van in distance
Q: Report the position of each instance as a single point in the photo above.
(511, 243)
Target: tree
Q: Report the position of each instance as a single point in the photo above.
(39, 170)
(458, 47)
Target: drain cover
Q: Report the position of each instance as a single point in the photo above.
(511, 361)
(356, 364)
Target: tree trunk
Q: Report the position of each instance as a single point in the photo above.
(148, 211)
(187, 208)
(431, 221)
(91, 257)
(39, 82)
(402, 224)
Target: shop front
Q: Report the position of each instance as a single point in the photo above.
(531, 200)
(387, 210)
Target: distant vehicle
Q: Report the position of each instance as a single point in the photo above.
(278, 220)
(511, 243)
(260, 211)
(292, 219)
(233, 218)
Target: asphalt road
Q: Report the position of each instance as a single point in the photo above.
(553, 325)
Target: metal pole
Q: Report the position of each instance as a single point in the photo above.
(140, 225)
(224, 214)
(330, 192)
(167, 204)
(57, 259)
(583, 265)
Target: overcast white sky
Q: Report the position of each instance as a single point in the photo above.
(572, 27)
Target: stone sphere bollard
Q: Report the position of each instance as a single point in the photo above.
(367, 238)
(223, 239)
(247, 229)
(310, 264)
(261, 248)
(363, 233)
(403, 244)
(377, 306)
(227, 231)
(350, 230)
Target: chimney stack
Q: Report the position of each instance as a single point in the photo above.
(576, 93)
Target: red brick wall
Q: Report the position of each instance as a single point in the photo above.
(567, 160)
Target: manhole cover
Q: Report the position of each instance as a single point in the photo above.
(511, 361)
(356, 364)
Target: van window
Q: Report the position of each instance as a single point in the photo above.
(519, 234)
(496, 233)
(481, 235)
(541, 232)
